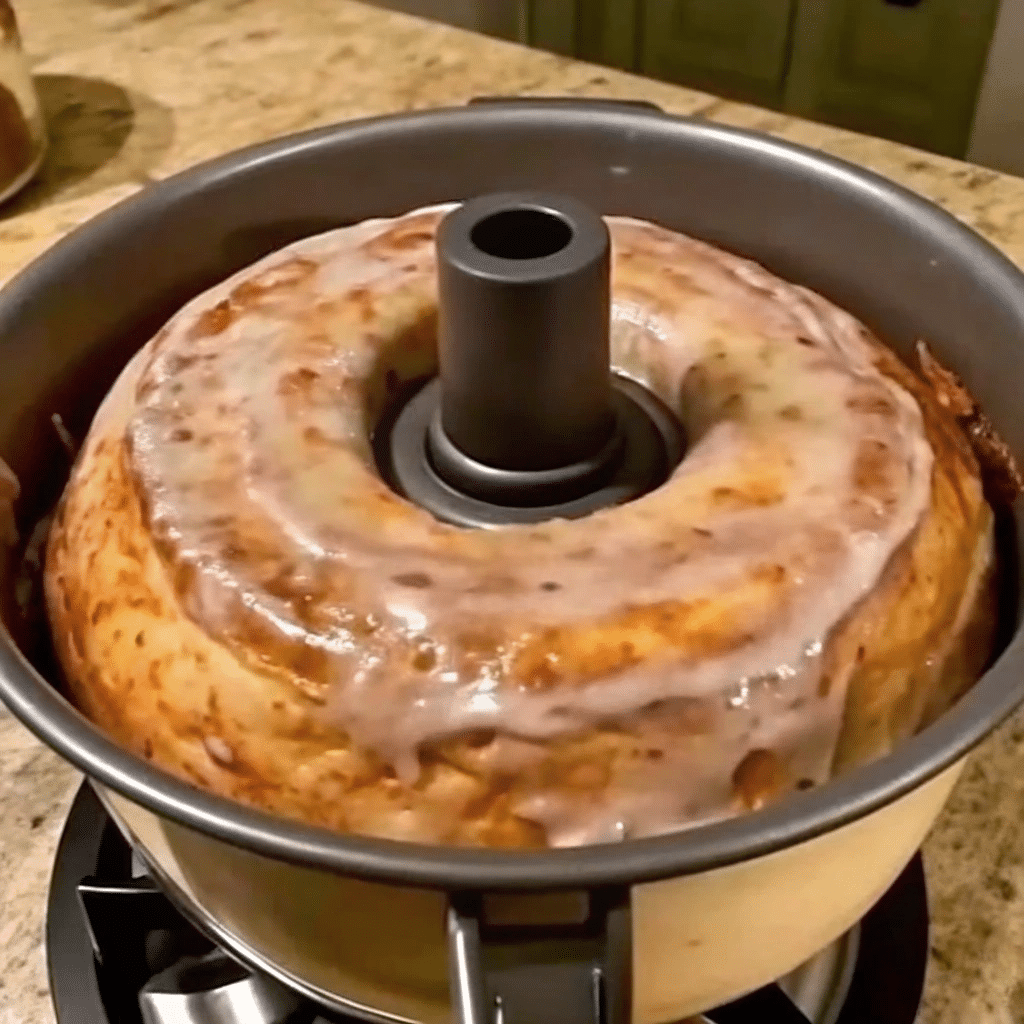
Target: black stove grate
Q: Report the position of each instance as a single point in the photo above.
(113, 936)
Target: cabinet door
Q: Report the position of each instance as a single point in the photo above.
(601, 31)
(606, 32)
(908, 70)
(735, 48)
(551, 25)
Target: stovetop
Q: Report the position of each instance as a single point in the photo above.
(119, 952)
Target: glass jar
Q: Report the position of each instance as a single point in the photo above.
(22, 132)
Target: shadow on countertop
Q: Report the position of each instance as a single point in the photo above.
(100, 135)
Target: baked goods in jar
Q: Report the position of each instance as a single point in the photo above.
(238, 596)
(22, 132)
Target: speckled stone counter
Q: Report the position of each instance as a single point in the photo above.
(137, 89)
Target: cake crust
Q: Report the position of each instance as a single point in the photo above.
(606, 722)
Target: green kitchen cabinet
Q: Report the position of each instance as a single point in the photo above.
(600, 31)
(735, 48)
(608, 32)
(551, 25)
(905, 70)
(908, 70)
(731, 47)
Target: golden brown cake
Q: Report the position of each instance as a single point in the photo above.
(236, 595)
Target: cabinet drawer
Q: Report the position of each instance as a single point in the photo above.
(732, 47)
(906, 70)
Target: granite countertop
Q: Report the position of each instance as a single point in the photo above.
(136, 89)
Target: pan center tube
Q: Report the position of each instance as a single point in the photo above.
(526, 420)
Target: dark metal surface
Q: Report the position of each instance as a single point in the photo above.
(647, 445)
(574, 968)
(524, 304)
(770, 1005)
(888, 981)
(909, 270)
(151, 950)
(525, 421)
(214, 989)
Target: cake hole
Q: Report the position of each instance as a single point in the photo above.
(521, 234)
(414, 580)
(424, 659)
(480, 738)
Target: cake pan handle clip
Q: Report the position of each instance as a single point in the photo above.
(564, 956)
(595, 102)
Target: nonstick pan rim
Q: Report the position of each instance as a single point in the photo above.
(798, 818)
